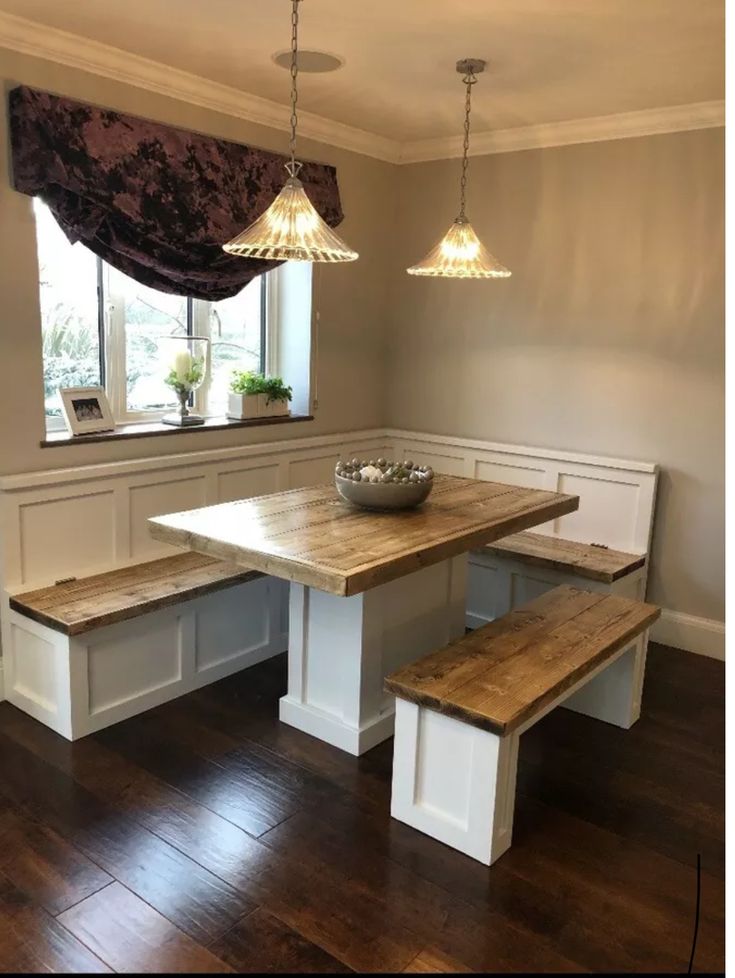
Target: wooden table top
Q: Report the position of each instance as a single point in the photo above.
(314, 538)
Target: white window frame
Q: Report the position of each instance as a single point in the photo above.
(115, 353)
(287, 296)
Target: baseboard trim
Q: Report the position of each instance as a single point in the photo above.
(703, 636)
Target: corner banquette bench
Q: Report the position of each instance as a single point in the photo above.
(460, 711)
(603, 547)
(85, 653)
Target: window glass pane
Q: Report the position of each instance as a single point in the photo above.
(68, 294)
(149, 316)
(234, 326)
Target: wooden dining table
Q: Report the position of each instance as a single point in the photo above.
(370, 591)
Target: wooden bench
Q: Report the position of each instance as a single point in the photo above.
(460, 711)
(518, 568)
(593, 561)
(76, 606)
(88, 652)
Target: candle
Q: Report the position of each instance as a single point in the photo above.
(182, 366)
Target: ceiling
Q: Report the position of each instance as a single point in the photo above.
(550, 60)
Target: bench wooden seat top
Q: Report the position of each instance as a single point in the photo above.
(82, 604)
(595, 562)
(501, 675)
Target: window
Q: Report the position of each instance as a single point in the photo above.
(101, 327)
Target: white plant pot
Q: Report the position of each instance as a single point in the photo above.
(243, 407)
(246, 407)
(274, 409)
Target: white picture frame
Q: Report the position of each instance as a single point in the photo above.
(86, 410)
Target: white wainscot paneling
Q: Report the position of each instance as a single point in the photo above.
(156, 499)
(608, 510)
(311, 471)
(445, 463)
(65, 536)
(514, 474)
(243, 483)
(133, 661)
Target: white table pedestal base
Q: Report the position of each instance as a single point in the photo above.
(340, 650)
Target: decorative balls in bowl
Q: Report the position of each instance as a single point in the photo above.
(383, 484)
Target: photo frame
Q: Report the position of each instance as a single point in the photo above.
(86, 410)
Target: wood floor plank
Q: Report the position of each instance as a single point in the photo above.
(261, 943)
(600, 876)
(430, 961)
(196, 900)
(634, 891)
(247, 785)
(131, 936)
(32, 941)
(424, 910)
(43, 865)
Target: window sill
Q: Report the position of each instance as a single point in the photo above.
(155, 429)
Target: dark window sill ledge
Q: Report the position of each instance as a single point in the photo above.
(155, 429)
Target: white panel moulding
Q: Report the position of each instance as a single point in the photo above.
(55, 505)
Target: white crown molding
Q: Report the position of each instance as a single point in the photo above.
(50, 43)
(624, 125)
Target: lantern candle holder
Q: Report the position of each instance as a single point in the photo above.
(186, 373)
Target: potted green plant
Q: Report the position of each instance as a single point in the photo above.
(252, 395)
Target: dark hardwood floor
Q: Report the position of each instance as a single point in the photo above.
(206, 836)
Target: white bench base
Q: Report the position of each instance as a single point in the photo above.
(80, 684)
(496, 585)
(341, 649)
(457, 783)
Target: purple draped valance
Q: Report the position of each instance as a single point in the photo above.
(156, 202)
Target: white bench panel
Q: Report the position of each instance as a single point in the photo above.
(81, 684)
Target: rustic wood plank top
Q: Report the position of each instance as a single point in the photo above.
(314, 538)
(585, 559)
(502, 674)
(85, 603)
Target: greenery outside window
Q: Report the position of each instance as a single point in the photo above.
(101, 327)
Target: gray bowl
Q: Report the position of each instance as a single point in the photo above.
(383, 495)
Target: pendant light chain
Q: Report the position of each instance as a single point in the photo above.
(294, 167)
(469, 80)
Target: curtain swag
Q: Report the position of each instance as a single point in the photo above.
(155, 202)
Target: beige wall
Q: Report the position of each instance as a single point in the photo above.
(351, 297)
(609, 337)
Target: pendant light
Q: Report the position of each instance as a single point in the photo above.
(460, 253)
(291, 229)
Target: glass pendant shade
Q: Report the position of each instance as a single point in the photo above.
(460, 254)
(291, 230)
